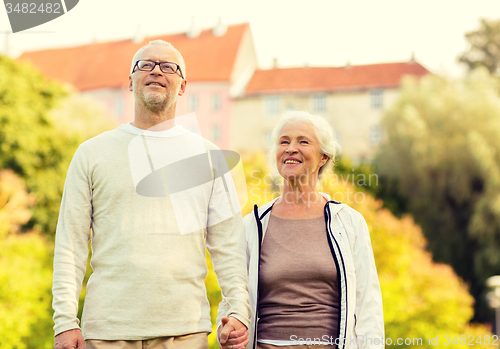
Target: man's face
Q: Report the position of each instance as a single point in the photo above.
(156, 90)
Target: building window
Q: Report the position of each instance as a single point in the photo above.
(375, 134)
(216, 102)
(215, 133)
(377, 100)
(319, 103)
(193, 102)
(272, 105)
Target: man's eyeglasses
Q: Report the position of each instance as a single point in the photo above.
(166, 67)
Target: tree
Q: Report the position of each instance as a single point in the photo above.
(484, 47)
(30, 144)
(25, 272)
(79, 116)
(421, 298)
(41, 125)
(442, 150)
(37, 143)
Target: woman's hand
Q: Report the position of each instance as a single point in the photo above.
(232, 334)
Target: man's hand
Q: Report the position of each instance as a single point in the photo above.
(69, 340)
(232, 334)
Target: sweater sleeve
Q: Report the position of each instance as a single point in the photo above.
(226, 245)
(369, 310)
(71, 243)
(222, 309)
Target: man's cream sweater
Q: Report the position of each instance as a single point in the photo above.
(151, 221)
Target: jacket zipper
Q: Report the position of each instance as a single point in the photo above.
(259, 228)
(330, 237)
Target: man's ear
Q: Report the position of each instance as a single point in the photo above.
(130, 83)
(183, 87)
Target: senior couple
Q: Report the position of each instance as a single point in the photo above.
(150, 196)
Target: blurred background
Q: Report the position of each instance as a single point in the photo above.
(412, 90)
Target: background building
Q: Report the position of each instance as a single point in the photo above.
(237, 105)
(351, 98)
(219, 63)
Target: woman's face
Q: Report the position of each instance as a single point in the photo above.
(298, 155)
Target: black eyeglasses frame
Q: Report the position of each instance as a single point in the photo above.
(136, 67)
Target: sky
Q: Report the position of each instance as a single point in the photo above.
(296, 33)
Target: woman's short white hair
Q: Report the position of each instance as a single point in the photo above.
(158, 42)
(324, 132)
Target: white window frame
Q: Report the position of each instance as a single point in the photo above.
(216, 101)
(377, 99)
(319, 103)
(272, 105)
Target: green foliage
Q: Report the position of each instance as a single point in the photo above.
(421, 298)
(261, 185)
(14, 203)
(79, 116)
(29, 142)
(36, 146)
(25, 272)
(214, 297)
(484, 47)
(366, 179)
(443, 152)
(39, 133)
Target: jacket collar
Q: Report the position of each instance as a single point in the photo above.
(265, 210)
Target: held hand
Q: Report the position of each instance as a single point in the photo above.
(69, 340)
(232, 334)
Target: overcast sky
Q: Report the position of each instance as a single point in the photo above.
(314, 32)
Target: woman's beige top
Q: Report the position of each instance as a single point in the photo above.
(298, 287)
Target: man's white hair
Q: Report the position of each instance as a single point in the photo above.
(158, 42)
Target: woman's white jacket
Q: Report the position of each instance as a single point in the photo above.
(361, 322)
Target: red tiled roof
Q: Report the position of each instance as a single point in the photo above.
(319, 79)
(107, 64)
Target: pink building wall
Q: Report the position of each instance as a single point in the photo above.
(206, 115)
(118, 103)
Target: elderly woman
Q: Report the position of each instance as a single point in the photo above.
(312, 275)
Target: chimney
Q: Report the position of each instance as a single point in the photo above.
(220, 29)
(275, 63)
(412, 58)
(139, 36)
(348, 65)
(193, 31)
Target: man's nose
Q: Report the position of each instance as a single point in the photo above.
(156, 70)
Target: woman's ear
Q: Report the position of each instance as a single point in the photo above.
(324, 159)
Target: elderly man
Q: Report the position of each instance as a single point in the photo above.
(150, 215)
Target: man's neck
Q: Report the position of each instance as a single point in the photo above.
(151, 121)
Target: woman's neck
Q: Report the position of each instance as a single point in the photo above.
(299, 202)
